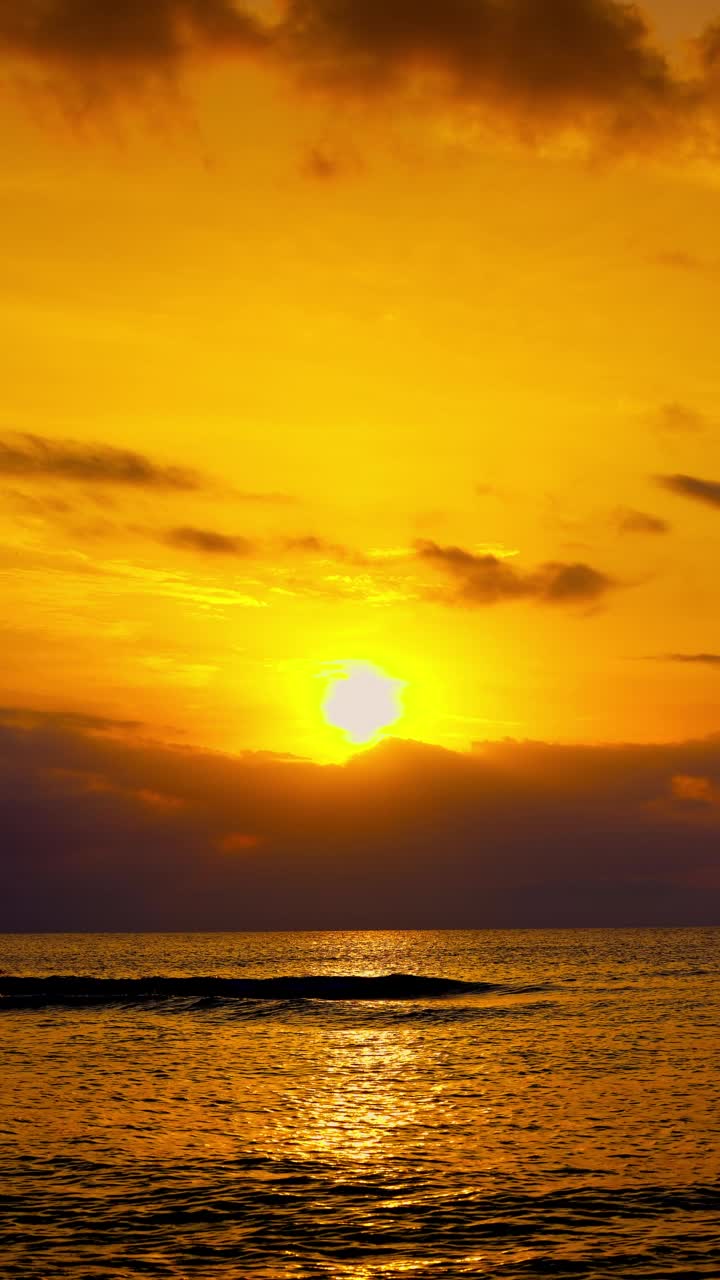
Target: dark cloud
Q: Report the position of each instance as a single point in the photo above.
(678, 260)
(678, 419)
(484, 579)
(208, 541)
(29, 718)
(320, 165)
(699, 659)
(488, 579)
(708, 49)
(136, 34)
(590, 66)
(212, 542)
(548, 52)
(541, 63)
(39, 456)
(561, 583)
(630, 521)
(311, 544)
(707, 491)
(308, 542)
(104, 833)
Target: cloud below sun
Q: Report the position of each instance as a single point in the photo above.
(106, 831)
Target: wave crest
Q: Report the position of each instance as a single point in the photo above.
(58, 989)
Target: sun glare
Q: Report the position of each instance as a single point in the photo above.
(362, 700)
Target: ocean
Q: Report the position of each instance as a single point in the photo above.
(360, 1105)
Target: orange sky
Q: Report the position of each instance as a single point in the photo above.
(360, 342)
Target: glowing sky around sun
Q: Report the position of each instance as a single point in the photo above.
(297, 368)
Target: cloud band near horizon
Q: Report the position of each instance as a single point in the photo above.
(105, 831)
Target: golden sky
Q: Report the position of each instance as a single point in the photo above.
(379, 332)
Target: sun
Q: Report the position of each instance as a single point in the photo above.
(362, 700)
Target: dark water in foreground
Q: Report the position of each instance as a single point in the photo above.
(551, 1110)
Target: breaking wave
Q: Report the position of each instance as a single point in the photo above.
(59, 989)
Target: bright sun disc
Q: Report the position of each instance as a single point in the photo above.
(362, 700)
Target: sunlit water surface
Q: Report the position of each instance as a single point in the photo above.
(560, 1118)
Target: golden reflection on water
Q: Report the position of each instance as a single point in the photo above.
(359, 1103)
(347, 1099)
(357, 1097)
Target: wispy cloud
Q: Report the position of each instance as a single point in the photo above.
(36, 456)
(208, 541)
(67, 721)
(488, 580)
(693, 659)
(707, 491)
(320, 165)
(678, 419)
(631, 521)
(679, 260)
(270, 499)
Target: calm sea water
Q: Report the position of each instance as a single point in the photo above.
(552, 1111)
